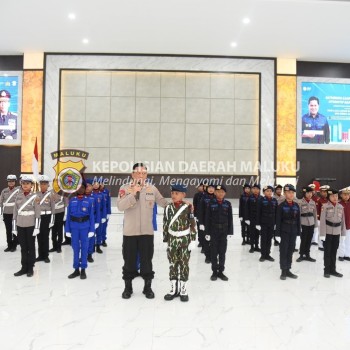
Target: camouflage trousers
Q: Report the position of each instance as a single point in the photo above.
(179, 257)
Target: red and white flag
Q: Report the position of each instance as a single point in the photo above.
(35, 161)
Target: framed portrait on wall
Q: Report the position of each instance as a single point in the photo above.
(10, 108)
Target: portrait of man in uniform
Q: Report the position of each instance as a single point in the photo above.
(8, 120)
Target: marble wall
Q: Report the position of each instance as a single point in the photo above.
(55, 64)
(162, 116)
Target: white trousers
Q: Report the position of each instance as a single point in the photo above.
(344, 245)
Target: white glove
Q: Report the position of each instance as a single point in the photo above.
(91, 234)
(108, 216)
(14, 227)
(14, 233)
(97, 225)
(192, 245)
(0, 210)
(201, 227)
(207, 237)
(258, 227)
(52, 221)
(36, 232)
(247, 222)
(68, 234)
(51, 225)
(65, 217)
(103, 220)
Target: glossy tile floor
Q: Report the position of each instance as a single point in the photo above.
(253, 310)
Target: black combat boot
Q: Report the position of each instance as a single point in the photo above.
(214, 276)
(147, 290)
(127, 290)
(308, 258)
(76, 273)
(98, 249)
(222, 276)
(283, 275)
(291, 275)
(83, 274)
(90, 259)
(104, 244)
(21, 272)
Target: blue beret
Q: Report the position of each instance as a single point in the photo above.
(178, 188)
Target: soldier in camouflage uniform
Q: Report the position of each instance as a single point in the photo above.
(179, 233)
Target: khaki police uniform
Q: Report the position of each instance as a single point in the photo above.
(47, 207)
(332, 226)
(138, 234)
(7, 203)
(25, 219)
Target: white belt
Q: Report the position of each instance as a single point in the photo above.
(45, 212)
(59, 206)
(26, 213)
(179, 233)
(9, 204)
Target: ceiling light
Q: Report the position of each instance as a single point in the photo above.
(71, 16)
(234, 44)
(246, 20)
(85, 41)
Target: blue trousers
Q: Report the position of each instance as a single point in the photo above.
(80, 244)
(99, 234)
(104, 231)
(91, 244)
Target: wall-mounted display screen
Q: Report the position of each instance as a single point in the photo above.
(10, 108)
(323, 114)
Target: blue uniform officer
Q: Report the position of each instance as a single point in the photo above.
(80, 225)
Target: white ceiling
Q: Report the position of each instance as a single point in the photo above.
(315, 30)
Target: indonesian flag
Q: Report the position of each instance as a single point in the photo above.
(35, 161)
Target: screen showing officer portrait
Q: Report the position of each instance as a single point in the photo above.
(10, 107)
(324, 115)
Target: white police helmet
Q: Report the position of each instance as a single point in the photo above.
(27, 178)
(43, 178)
(11, 178)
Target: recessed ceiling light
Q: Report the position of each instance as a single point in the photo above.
(85, 41)
(234, 44)
(246, 20)
(71, 16)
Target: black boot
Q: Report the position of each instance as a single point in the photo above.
(104, 244)
(83, 274)
(21, 272)
(147, 290)
(128, 290)
(90, 259)
(8, 249)
(308, 258)
(98, 249)
(173, 291)
(30, 272)
(283, 275)
(76, 273)
(222, 276)
(291, 275)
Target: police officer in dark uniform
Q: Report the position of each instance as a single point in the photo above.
(266, 220)
(218, 225)
(206, 198)
(288, 228)
(196, 200)
(8, 119)
(252, 209)
(243, 202)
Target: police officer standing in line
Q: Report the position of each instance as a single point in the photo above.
(47, 206)
(315, 198)
(80, 225)
(322, 200)
(208, 195)
(137, 200)
(344, 245)
(308, 219)
(7, 202)
(103, 215)
(266, 221)
(332, 225)
(252, 209)
(196, 200)
(218, 226)
(288, 228)
(280, 198)
(107, 196)
(61, 203)
(26, 223)
(242, 213)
